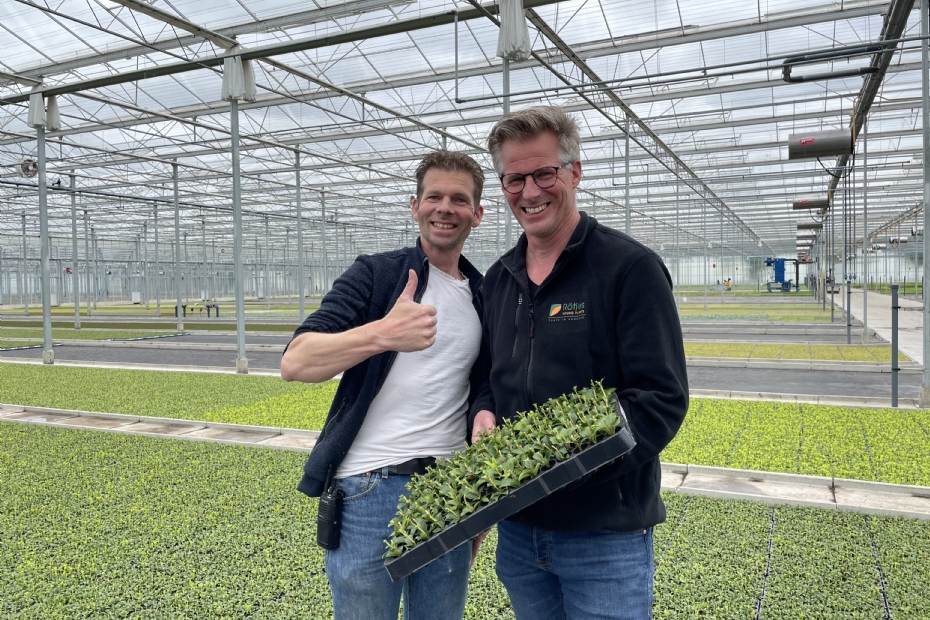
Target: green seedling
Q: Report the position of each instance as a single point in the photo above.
(521, 449)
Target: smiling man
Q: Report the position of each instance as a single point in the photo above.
(404, 328)
(573, 302)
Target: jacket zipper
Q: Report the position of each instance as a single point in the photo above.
(516, 325)
(529, 363)
(333, 417)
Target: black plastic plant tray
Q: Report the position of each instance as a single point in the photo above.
(546, 483)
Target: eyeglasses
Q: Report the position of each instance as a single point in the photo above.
(544, 178)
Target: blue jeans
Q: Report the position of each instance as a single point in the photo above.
(361, 587)
(576, 575)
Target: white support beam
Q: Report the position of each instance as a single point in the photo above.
(173, 20)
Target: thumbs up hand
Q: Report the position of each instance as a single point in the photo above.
(409, 326)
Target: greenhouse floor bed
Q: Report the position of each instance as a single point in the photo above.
(251, 338)
(783, 328)
(695, 334)
(818, 365)
(720, 482)
(148, 355)
(149, 528)
(208, 338)
(703, 375)
(812, 382)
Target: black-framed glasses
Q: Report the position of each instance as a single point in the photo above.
(544, 178)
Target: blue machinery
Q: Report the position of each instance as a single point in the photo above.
(779, 282)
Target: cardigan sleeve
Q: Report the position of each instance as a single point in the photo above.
(346, 305)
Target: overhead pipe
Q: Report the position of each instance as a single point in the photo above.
(845, 52)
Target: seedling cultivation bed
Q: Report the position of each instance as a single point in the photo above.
(574, 468)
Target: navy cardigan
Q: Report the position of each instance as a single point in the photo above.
(366, 292)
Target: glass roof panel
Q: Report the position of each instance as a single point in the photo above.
(729, 123)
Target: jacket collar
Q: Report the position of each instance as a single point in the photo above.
(468, 270)
(421, 255)
(515, 259)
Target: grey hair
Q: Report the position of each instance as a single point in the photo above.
(527, 124)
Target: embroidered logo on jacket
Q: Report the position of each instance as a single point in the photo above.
(567, 312)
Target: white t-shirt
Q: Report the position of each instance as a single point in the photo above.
(421, 408)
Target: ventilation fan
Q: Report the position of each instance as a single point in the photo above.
(28, 168)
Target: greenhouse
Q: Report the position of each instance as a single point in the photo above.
(181, 184)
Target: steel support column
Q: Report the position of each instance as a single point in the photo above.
(300, 239)
(145, 263)
(242, 363)
(325, 284)
(508, 216)
(925, 93)
(203, 270)
(48, 356)
(626, 190)
(23, 288)
(865, 231)
(266, 288)
(177, 244)
(75, 280)
(157, 262)
(87, 279)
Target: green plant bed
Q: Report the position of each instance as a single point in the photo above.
(885, 445)
(167, 327)
(104, 526)
(166, 308)
(695, 553)
(697, 305)
(264, 401)
(68, 310)
(754, 317)
(91, 325)
(100, 525)
(810, 352)
(822, 567)
(292, 308)
(11, 344)
(885, 288)
(249, 327)
(903, 551)
(88, 333)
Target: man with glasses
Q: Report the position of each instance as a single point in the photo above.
(404, 328)
(576, 301)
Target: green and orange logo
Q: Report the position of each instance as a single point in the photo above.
(573, 310)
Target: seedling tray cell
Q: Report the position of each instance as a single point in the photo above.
(574, 468)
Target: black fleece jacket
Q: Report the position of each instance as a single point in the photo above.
(366, 292)
(606, 311)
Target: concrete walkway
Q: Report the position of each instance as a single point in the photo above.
(861, 496)
(910, 323)
(769, 487)
(165, 428)
(803, 384)
(789, 364)
(833, 400)
(220, 370)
